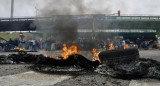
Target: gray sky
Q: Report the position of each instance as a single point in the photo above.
(52, 7)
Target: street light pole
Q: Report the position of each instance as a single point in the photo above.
(12, 8)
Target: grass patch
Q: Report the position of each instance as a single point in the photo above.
(7, 35)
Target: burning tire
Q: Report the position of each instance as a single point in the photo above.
(73, 60)
(119, 56)
(73, 63)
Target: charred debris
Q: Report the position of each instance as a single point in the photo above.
(123, 63)
(73, 60)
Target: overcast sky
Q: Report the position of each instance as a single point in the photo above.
(52, 7)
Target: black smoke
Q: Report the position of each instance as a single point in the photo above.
(65, 29)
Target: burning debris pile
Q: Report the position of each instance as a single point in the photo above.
(124, 63)
(70, 57)
(72, 61)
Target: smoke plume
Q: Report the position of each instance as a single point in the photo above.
(65, 29)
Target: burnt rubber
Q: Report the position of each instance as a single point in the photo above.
(119, 56)
(73, 60)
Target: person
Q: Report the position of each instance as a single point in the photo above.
(101, 44)
(41, 44)
(16, 42)
(11, 44)
(23, 43)
(123, 43)
(34, 45)
(107, 45)
(139, 43)
(128, 41)
(30, 44)
(146, 45)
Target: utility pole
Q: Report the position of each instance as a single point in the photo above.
(12, 8)
(93, 27)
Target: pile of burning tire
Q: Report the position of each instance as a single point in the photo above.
(124, 63)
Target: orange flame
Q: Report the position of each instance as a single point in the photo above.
(126, 46)
(20, 49)
(45, 55)
(54, 57)
(96, 55)
(111, 46)
(69, 51)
